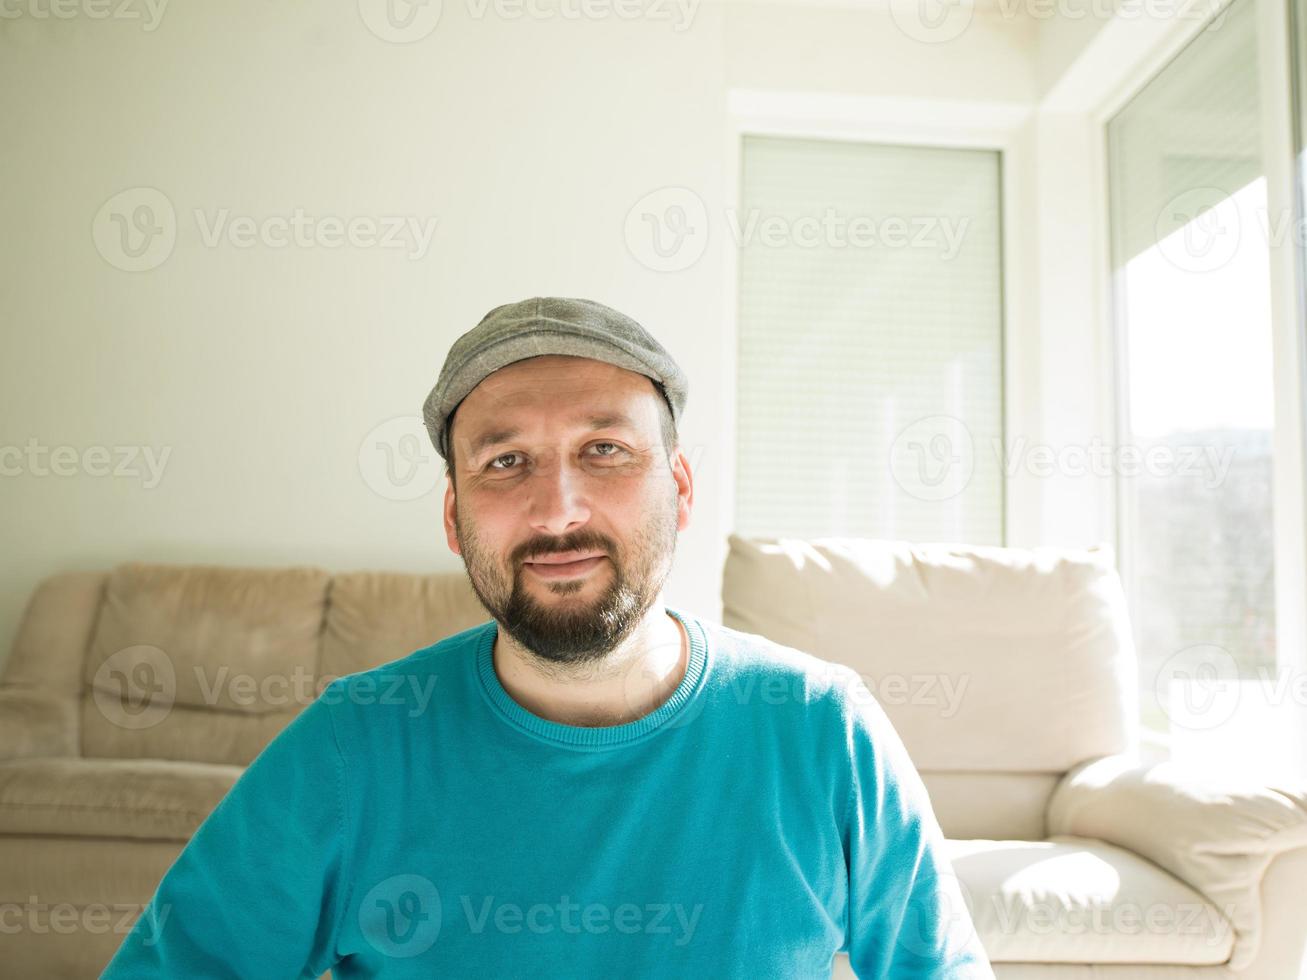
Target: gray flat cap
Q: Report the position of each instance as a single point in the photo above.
(547, 325)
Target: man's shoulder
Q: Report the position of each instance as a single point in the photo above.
(751, 658)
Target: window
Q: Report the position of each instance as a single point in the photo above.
(1190, 243)
(870, 341)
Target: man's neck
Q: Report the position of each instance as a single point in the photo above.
(628, 684)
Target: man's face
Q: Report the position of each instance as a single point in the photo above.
(561, 458)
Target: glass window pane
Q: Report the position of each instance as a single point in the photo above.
(870, 341)
(1190, 244)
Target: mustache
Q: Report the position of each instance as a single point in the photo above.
(577, 541)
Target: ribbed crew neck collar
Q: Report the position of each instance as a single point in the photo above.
(593, 738)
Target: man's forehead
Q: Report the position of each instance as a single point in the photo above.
(568, 384)
(550, 393)
(548, 371)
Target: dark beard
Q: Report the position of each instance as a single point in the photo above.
(575, 633)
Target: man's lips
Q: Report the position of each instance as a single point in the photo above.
(563, 557)
(565, 564)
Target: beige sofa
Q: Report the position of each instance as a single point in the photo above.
(132, 700)
(1010, 675)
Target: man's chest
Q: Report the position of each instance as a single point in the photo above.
(553, 866)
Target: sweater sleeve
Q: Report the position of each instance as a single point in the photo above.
(258, 889)
(908, 919)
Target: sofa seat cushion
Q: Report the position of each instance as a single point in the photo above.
(153, 799)
(1076, 900)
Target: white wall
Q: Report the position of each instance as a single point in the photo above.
(261, 370)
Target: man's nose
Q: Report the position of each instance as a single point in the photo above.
(558, 500)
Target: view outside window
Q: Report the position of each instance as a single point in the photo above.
(1191, 235)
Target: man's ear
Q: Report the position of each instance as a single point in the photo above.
(684, 478)
(451, 533)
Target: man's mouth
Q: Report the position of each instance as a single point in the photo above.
(565, 564)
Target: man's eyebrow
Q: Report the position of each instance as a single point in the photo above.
(495, 436)
(490, 439)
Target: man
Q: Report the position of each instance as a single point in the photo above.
(598, 786)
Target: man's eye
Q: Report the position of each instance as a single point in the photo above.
(499, 459)
(508, 461)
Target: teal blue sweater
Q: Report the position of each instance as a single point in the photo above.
(416, 821)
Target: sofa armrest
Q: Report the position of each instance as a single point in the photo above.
(36, 723)
(1216, 835)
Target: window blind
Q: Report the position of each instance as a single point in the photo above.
(870, 341)
(1188, 140)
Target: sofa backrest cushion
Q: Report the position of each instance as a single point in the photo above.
(200, 663)
(376, 617)
(986, 659)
